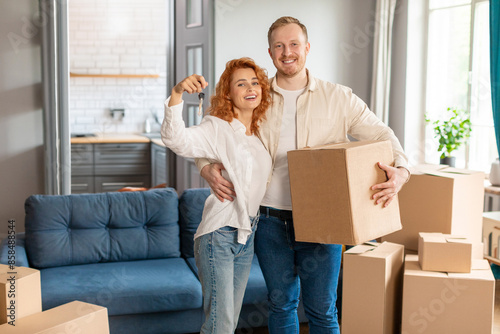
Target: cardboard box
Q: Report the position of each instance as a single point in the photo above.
(437, 302)
(74, 317)
(331, 195)
(477, 251)
(444, 252)
(440, 199)
(491, 234)
(20, 292)
(372, 285)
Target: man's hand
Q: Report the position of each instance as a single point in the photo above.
(396, 179)
(222, 188)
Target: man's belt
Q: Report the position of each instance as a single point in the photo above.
(280, 214)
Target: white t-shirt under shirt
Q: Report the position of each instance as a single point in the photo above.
(278, 192)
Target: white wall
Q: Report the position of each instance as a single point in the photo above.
(340, 33)
(116, 37)
(21, 130)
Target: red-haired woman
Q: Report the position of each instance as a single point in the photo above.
(229, 134)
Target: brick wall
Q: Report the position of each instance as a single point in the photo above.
(116, 37)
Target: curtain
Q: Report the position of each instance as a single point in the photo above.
(382, 43)
(495, 65)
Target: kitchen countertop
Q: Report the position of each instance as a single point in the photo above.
(111, 138)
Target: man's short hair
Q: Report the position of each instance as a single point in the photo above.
(283, 21)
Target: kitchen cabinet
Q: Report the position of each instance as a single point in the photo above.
(82, 168)
(159, 165)
(104, 167)
(162, 164)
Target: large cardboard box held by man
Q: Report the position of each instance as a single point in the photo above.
(331, 195)
(440, 302)
(73, 317)
(372, 287)
(20, 293)
(440, 199)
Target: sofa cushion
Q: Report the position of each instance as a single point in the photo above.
(191, 204)
(105, 227)
(132, 287)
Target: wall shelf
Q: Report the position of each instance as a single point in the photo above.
(125, 76)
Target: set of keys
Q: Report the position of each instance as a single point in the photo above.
(201, 96)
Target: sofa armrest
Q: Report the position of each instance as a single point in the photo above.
(21, 258)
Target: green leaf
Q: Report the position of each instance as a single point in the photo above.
(451, 132)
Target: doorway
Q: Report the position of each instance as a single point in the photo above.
(117, 80)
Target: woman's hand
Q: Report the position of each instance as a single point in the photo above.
(192, 84)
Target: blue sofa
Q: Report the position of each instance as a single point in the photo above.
(131, 252)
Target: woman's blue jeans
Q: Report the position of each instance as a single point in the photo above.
(223, 267)
(289, 266)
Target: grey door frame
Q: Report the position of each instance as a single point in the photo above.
(192, 37)
(55, 82)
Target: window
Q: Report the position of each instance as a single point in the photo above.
(458, 76)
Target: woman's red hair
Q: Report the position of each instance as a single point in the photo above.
(222, 107)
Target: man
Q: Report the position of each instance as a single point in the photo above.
(305, 112)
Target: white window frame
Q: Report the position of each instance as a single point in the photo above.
(472, 5)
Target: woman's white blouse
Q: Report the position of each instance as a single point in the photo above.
(219, 140)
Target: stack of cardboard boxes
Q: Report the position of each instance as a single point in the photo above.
(445, 288)
(21, 305)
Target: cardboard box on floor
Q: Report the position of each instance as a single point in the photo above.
(440, 302)
(331, 195)
(444, 252)
(372, 287)
(20, 292)
(440, 199)
(491, 235)
(74, 317)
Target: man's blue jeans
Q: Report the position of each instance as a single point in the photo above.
(223, 267)
(289, 266)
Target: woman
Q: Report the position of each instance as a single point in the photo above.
(224, 239)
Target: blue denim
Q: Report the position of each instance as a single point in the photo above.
(223, 267)
(289, 266)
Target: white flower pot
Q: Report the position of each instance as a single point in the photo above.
(495, 173)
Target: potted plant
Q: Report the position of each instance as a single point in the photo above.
(452, 132)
